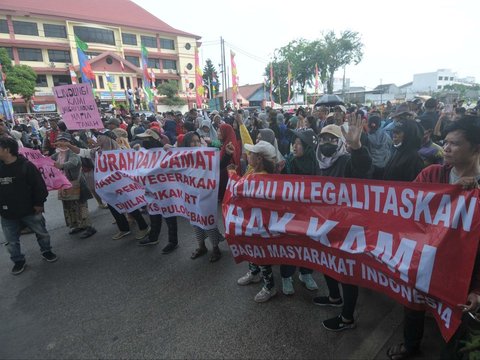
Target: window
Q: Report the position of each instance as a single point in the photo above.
(129, 39)
(59, 56)
(101, 85)
(56, 31)
(91, 54)
(439, 87)
(451, 78)
(169, 64)
(188, 46)
(135, 60)
(30, 54)
(9, 51)
(139, 82)
(149, 41)
(440, 78)
(167, 44)
(3, 26)
(61, 80)
(25, 28)
(189, 66)
(100, 36)
(153, 63)
(129, 85)
(122, 83)
(41, 81)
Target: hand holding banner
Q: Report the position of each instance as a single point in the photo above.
(398, 238)
(54, 178)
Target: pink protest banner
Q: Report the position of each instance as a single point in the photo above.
(77, 106)
(54, 178)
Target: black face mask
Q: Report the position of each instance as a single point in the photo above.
(328, 150)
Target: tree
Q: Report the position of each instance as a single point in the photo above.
(339, 52)
(170, 90)
(5, 60)
(210, 78)
(21, 80)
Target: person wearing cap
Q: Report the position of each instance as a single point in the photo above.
(340, 113)
(430, 116)
(113, 123)
(405, 163)
(341, 154)
(23, 194)
(303, 162)
(379, 144)
(76, 213)
(262, 158)
(402, 111)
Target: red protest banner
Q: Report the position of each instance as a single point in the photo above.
(414, 242)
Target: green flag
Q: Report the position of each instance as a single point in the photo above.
(80, 44)
(144, 51)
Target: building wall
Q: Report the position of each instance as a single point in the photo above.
(182, 53)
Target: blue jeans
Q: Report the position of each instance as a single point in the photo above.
(11, 229)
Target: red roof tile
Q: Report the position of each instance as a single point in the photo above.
(113, 12)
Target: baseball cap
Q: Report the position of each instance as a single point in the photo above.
(263, 148)
(307, 136)
(332, 129)
(149, 133)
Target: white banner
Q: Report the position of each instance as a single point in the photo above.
(175, 182)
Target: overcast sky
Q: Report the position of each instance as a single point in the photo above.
(400, 38)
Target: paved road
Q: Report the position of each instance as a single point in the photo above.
(113, 299)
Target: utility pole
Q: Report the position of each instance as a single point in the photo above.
(224, 73)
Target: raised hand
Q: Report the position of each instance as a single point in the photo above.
(354, 133)
(229, 148)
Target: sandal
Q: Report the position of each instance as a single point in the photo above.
(216, 255)
(199, 252)
(399, 351)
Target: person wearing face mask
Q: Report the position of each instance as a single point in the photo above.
(341, 154)
(303, 162)
(405, 163)
(379, 145)
(75, 211)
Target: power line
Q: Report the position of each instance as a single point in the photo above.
(246, 53)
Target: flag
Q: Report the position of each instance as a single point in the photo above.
(152, 76)
(200, 91)
(289, 80)
(147, 85)
(110, 79)
(316, 79)
(271, 84)
(234, 79)
(4, 76)
(73, 74)
(85, 68)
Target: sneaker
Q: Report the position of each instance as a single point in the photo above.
(18, 267)
(308, 281)
(325, 301)
(249, 278)
(121, 234)
(89, 231)
(142, 233)
(49, 256)
(338, 324)
(287, 286)
(169, 248)
(147, 241)
(265, 295)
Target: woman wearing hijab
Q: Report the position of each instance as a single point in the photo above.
(192, 139)
(170, 129)
(75, 211)
(261, 158)
(335, 160)
(107, 141)
(303, 162)
(207, 132)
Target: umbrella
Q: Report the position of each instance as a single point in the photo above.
(329, 100)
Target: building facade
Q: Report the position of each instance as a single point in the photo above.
(41, 34)
(437, 80)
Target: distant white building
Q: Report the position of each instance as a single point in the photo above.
(437, 80)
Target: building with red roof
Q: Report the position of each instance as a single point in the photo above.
(41, 34)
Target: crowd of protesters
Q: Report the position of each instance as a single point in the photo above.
(412, 141)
